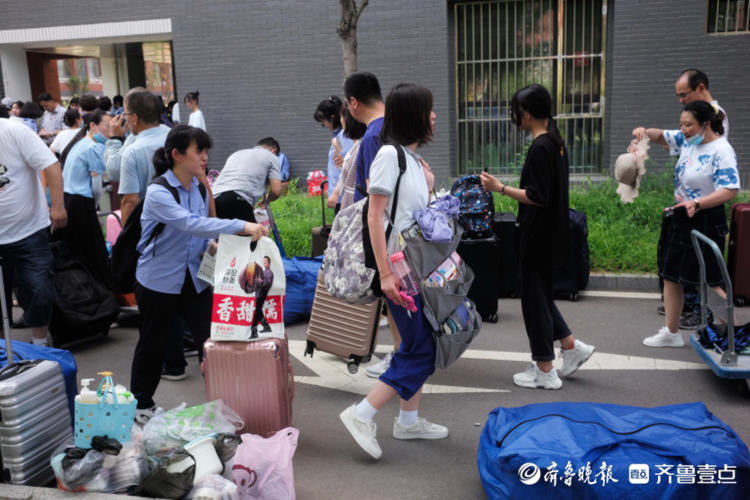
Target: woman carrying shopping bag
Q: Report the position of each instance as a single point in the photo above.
(167, 282)
(543, 227)
(409, 122)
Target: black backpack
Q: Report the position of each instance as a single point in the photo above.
(124, 253)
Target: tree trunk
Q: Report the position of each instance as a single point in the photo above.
(347, 31)
(349, 50)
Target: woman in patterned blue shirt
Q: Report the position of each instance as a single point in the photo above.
(705, 178)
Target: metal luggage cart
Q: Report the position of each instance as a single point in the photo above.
(726, 364)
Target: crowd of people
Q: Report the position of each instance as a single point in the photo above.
(159, 167)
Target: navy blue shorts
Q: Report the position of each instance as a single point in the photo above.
(414, 362)
(30, 261)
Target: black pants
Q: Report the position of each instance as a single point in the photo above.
(260, 299)
(544, 323)
(230, 205)
(157, 318)
(84, 237)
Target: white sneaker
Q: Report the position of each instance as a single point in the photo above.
(664, 338)
(423, 429)
(534, 378)
(143, 416)
(381, 367)
(573, 358)
(364, 433)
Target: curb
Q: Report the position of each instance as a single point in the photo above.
(624, 281)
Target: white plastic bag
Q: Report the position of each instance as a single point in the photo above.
(180, 425)
(262, 467)
(213, 487)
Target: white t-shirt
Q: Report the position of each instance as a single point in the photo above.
(702, 169)
(176, 112)
(63, 139)
(23, 206)
(246, 172)
(725, 121)
(413, 193)
(196, 119)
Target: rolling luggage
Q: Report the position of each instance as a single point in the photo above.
(34, 414)
(320, 234)
(574, 276)
(483, 257)
(255, 379)
(83, 307)
(739, 250)
(504, 225)
(340, 328)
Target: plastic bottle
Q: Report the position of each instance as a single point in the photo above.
(86, 395)
(402, 269)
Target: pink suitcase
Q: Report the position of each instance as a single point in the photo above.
(255, 379)
(114, 226)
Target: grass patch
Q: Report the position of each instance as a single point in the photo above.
(622, 237)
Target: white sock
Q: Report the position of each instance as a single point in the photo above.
(37, 341)
(407, 418)
(365, 411)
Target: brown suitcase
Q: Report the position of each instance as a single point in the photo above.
(255, 379)
(739, 253)
(343, 329)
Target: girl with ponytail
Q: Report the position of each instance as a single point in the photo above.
(174, 235)
(83, 165)
(705, 178)
(196, 118)
(543, 231)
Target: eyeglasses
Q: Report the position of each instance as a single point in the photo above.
(682, 95)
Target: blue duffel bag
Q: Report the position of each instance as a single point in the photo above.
(301, 276)
(25, 350)
(596, 450)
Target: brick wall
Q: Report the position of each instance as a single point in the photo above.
(263, 66)
(652, 42)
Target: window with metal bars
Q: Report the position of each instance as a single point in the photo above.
(728, 16)
(502, 46)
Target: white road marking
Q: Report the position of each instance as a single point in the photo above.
(614, 294)
(331, 371)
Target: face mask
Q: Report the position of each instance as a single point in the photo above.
(99, 137)
(695, 140)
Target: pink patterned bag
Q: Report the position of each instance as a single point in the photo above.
(263, 466)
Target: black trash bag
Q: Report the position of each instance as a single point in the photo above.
(106, 445)
(73, 455)
(226, 446)
(77, 472)
(161, 483)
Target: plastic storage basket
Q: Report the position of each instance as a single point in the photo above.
(113, 420)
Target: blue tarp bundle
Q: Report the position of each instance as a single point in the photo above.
(595, 450)
(301, 276)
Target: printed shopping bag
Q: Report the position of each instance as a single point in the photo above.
(249, 290)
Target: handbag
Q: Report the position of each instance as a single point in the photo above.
(349, 265)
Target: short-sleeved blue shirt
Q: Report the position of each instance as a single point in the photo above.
(368, 148)
(137, 166)
(84, 157)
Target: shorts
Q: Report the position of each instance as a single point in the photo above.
(677, 259)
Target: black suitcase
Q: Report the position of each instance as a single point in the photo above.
(83, 307)
(320, 234)
(483, 257)
(574, 276)
(504, 225)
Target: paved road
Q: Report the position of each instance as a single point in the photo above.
(329, 465)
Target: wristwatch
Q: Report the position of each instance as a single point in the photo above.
(697, 205)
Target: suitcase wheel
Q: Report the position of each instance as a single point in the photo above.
(574, 297)
(740, 301)
(309, 349)
(353, 367)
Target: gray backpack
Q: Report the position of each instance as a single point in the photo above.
(349, 264)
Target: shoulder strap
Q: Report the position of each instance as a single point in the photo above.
(401, 169)
(162, 181)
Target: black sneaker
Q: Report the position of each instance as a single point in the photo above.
(690, 321)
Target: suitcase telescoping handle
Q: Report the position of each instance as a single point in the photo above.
(323, 204)
(6, 321)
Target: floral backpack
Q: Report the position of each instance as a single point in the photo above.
(349, 264)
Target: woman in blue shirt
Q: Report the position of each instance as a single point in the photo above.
(705, 178)
(83, 161)
(167, 282)
(328, 114)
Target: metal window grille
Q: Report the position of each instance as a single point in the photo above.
(504, 45)
(728, 16)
